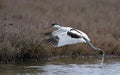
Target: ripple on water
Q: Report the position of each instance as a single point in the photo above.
(78, 69)
(68, 67)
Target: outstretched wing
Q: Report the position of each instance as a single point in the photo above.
(67, 38)
(51, 38)
(51, 41)
(60, 38)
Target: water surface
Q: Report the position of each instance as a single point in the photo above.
(63, 66)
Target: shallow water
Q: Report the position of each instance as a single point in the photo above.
(63, 66)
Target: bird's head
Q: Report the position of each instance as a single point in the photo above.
(56, 25)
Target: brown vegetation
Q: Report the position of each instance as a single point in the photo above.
(22, 21)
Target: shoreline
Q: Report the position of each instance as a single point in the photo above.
(58, 57)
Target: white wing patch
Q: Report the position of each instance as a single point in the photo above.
(57, 32)
(64, 39)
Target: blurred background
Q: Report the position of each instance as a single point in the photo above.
(22, 22)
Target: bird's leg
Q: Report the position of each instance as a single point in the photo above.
(95, 48)
(103, 56)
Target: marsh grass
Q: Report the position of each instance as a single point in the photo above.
(22, 22)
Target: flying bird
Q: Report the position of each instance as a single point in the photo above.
(67, 35)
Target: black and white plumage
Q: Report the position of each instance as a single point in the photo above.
(66, 35)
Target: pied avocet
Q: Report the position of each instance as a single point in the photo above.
(66, 35)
